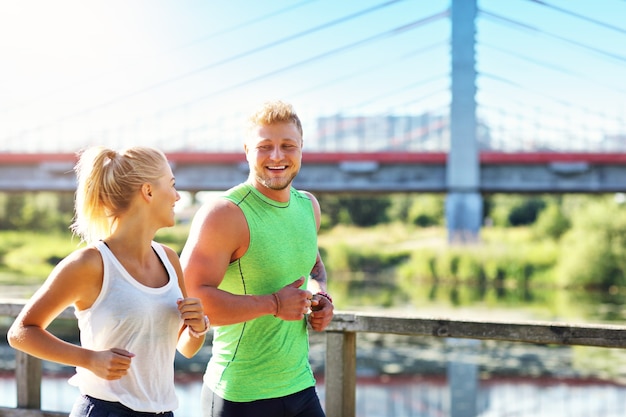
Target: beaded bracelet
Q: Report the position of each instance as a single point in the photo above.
(325, 295)
(207, 325)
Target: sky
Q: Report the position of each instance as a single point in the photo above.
(183, 74)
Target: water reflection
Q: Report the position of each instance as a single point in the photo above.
(368, 291)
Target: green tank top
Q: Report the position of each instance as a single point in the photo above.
(266, 357)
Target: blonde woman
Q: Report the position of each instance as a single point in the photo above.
(127, 290)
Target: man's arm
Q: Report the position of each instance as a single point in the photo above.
(318, 276)
(323, 309)
(218, 236)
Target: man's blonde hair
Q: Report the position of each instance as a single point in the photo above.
(272, 112)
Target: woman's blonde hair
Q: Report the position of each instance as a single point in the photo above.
(107, 183)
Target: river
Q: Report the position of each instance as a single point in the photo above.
(409, 397)
(408, 376)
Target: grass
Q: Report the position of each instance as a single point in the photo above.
(28, 257)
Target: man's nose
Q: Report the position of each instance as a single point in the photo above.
(277, 153)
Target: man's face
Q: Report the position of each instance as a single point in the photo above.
(274, 153)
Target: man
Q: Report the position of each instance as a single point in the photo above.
(253, 260)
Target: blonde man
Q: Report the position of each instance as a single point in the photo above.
(253, 260)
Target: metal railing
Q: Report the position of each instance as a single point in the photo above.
(341, 344)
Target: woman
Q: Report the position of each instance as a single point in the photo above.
(127, 290)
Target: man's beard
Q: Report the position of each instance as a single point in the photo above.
(276, 183)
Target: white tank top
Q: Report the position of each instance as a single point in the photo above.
(142, 320)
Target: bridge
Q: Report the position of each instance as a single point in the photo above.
(354, 172)
(525, 127)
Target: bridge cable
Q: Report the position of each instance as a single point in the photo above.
(588, 19)
(171, 50)
(552, 66)
(383, 35)
(399, 90)
(364, 70)
(237, 57)
(498, 18)
(540, 93)
(389, 33)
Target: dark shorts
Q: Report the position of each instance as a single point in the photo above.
(86, 406)
(301, 404)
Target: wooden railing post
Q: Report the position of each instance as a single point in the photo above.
(28, 379)
(340, 374)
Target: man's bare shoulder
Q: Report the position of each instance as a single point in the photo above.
(217, 209)
(314, 201)
(218, 217)
(219, 227)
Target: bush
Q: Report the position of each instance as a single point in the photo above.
(367, 211)
(526, 211)
(551, 223)
(593, 252)
(427, 210)
(43, 211)
(514, 210)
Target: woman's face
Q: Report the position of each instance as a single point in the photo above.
(164, 193)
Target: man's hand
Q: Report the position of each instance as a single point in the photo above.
(292, 303)
(322, 311)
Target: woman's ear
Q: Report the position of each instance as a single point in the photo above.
(146, 190)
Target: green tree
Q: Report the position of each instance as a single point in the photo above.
(427, 210)
(400, 206)
(42, 211)
(330, 206)
(593, 252)
(367, 210)
(526, 211)
(514, 210)
(551, 222)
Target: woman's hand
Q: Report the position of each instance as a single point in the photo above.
(192, 313)
(111, 364)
